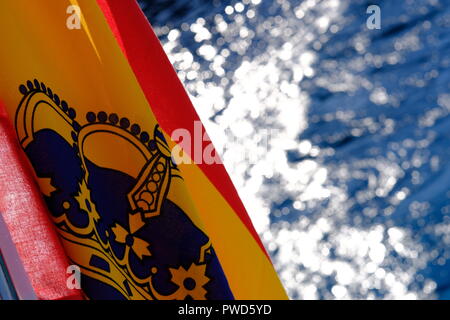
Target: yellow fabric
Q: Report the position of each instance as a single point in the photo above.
(250, 273)
(87, 68)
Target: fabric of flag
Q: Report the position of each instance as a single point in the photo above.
(93, 109)
(28, 221)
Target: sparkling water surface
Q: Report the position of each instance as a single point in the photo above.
(337, 137)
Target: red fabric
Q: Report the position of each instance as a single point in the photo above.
(162, 88)
(28, 221)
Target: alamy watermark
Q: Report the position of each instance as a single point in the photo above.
(374, 20)
(73, 281)
(74, 19)
(196, 146)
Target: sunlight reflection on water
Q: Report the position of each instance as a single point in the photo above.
(350, 192)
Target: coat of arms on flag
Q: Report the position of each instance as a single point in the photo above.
(120, 223)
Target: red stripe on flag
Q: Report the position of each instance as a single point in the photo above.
(162, 88)
(28, 221)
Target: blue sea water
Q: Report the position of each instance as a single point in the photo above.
(336, 136)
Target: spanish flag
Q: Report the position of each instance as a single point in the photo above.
(94, 102)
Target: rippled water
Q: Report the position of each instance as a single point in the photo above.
(346, 132)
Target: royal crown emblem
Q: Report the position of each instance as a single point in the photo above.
(108, 183)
